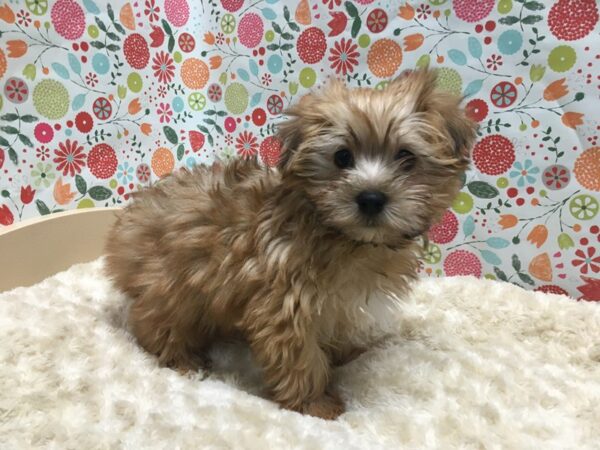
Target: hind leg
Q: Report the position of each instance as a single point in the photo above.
(178, 336)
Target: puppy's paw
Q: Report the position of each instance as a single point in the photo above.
(329, 407)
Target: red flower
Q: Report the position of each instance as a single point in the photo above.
(24, 18)
(6, 217)
(423, 11)
(151, 10)
(343, 56)
(246, 144)
(331, 3)
(69, 157)
(494, 61)
(16, 90)
(590, 290)
(27, 194)
(91, 79)
(163, 67)
(587, 262)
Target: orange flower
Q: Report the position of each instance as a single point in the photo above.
(215, 62)
(7, 14)
(508, 221)
(556, 90)
(209, 38)
(572, 119)
(436, 13)
(413, 41)
(538, 235)
(16, 48)
(146, 128)
(134, 107)
(62, 192)
(407, 12)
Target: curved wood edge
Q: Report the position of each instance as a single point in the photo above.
(35, 249)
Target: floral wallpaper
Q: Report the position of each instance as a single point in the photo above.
(98, 99)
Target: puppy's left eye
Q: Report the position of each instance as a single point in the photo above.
(406, 158)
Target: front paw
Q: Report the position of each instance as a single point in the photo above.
(329, 407)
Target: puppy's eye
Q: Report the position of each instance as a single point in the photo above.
(406, 159)
(343, 158)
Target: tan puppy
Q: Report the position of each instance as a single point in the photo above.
(285, 258)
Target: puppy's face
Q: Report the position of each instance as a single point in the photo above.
(380, 166)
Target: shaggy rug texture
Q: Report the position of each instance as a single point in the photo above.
(469, 364)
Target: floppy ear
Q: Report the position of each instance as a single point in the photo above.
(429, 98)
(304, 114)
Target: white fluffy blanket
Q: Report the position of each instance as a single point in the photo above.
(472, 364)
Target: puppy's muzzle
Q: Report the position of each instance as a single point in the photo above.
(371, 203)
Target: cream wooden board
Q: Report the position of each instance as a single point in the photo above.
(35, 249)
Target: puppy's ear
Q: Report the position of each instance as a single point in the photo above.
(304, 117)
(422, 85)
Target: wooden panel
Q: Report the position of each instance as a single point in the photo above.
(33, 250)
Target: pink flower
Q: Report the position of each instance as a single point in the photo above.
(494, 61)
(164, 112)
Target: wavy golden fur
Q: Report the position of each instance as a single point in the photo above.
(285, 258)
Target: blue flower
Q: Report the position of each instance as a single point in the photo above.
(524, 172)
(124, 173)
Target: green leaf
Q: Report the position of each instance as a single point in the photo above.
(171, 44)
(113, 47)
(119, 28)
(170, 134)
(25, 140)
(97, 44)
(81, 184)
(516, 263)
(167, 27)
(9, 130)
(481, 189)
(27, 118)
(501, 275)
(100, 193)
(13, 156)
(294, 26)
(110, 12)
(203, 129)
(529, 20)
(5, 193)
(508, 20)
(526, 278)
(276, 27)
(286, 13)
(286, 47)
(533, 6)
(10, 117)
(287, 36)
(42, 208)
(272, 47)
(3, 142)
(180, 151)
(352, 11)
(100, 24)
(113, 36)
(356, 26)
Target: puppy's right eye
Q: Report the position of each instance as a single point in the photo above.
(343, 158)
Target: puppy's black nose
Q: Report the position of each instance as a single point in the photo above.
(371, 203)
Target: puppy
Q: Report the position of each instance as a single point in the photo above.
(286, 257)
